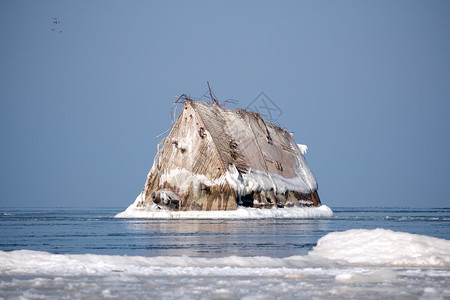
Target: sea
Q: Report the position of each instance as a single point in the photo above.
(356, 253)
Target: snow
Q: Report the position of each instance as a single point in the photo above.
(244, 184)
(357, 247)
(367, 276)
(256, 180)
(153, 212)
(182, 179)
(302, 148)
(303, 170)
(355, 263)
(382, 247)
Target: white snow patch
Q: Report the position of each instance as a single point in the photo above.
(382, 247)
(244, 184)
(302, 148)
(256, 180)
(367, 276)
(182, 179)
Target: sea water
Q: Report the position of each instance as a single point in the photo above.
(57, 253)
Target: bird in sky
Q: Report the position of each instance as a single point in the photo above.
(56, 23)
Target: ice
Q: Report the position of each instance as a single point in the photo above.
(351, 264)
(256, 180)
(183, 179)
(252, 181)
(358, 247)
(367, 277)
(382, 247)
(244, 184)
(154, 212)
(302, 148)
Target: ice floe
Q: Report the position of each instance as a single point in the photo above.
(382, 247)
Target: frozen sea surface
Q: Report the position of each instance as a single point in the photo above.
(358, 253)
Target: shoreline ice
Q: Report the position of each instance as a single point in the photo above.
(350, 264)
(356, 247)
(322, 211)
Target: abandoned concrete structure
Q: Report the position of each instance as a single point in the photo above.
(217, 159)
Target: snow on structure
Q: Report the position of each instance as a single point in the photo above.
(218, 159)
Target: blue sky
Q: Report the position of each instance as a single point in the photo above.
(365, 84)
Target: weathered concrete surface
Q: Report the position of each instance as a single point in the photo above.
(206, 142)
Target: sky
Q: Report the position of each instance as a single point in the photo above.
(364, 84)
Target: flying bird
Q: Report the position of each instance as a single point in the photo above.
(56, 22)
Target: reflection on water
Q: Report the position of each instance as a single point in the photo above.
(215, 238)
